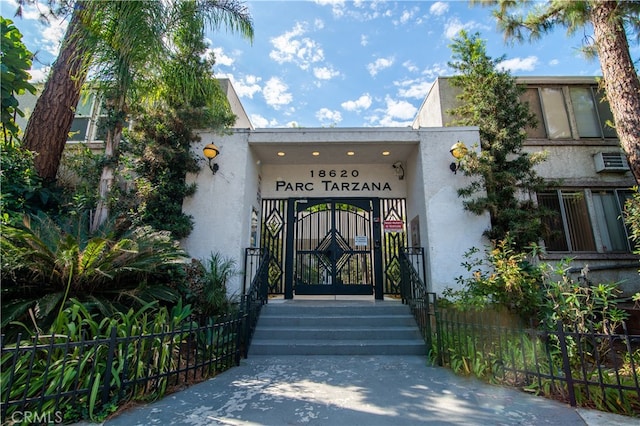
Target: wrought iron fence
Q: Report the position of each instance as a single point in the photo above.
(53, 378)
(257, 267)
(414, 292)
(582, 368)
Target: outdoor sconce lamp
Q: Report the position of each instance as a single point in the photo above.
(397, 166)
(210, 152)
(458, 151)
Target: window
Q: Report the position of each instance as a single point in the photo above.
(591, 113)
(555, 113)
(85, 126)
(578, 228)
(588, 109)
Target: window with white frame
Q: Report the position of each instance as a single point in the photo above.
(586, 220)
(556, 106)
(88, 123)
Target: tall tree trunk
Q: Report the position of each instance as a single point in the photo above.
(48, 127)
(111, 146)
(620, 79)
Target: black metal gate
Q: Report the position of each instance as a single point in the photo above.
(332, 245)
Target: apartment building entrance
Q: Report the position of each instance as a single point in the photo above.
(333, 246)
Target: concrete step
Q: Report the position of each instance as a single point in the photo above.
(332, 328)
(341, 333)
(338, 347)
(336, 321)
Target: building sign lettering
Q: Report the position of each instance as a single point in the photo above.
(332, 181)
(330, 185)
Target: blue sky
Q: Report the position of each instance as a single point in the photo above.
(321, 63)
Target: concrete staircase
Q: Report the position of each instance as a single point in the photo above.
(327, 327)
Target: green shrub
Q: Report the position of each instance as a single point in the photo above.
(207, 285)
(503, 278)
(45, 263)
(52, 370)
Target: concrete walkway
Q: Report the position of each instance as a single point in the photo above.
(351, 391)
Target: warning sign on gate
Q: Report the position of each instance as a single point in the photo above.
(393, 225)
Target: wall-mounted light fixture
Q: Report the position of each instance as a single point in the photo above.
(399, 169)
(458, 151)
(210, 152)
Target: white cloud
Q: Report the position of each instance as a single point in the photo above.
(378, 65)
(245, 87)
(519, 64)
(363, 102)
(325, 73)
(364, 40)
(400, 109)
(325, 115)
(417, 89)
(406, 16)
(222, 58)
(52, 36)
(290, 48)
(436, 70)
(337, 6)
(410, 66)
(453, 26)
(554, 62)
(39, 75)
(275, 93)
(259, 121)
(439, 8)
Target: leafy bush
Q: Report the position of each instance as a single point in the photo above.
(207, 285)
(581, 308)
(45, 263)
(504, 278)
(69, 367)
(16, 61)
(539, 293)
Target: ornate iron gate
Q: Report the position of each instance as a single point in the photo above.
(333, 242)
(333, 246)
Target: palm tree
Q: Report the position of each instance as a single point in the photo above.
(131, 47)
(609, 20)
(48, 127)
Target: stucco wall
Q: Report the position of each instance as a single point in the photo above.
(221, 207)
(223, 203)
(450, 231)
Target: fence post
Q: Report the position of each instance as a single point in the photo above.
(566, 366)
(106, 384)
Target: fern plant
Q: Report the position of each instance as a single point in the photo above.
(44, 264)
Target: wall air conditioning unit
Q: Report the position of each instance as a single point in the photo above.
(611, 162)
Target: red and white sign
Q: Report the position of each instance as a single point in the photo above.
(393, 225)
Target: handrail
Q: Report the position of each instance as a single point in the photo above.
(415, 293)
(257, 295)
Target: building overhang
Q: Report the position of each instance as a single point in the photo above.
(333, 145)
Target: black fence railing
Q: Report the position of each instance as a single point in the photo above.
(53, 378)
(257, 295)
(414, 292)
(587, 369)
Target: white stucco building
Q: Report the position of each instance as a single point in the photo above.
(335, 205)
